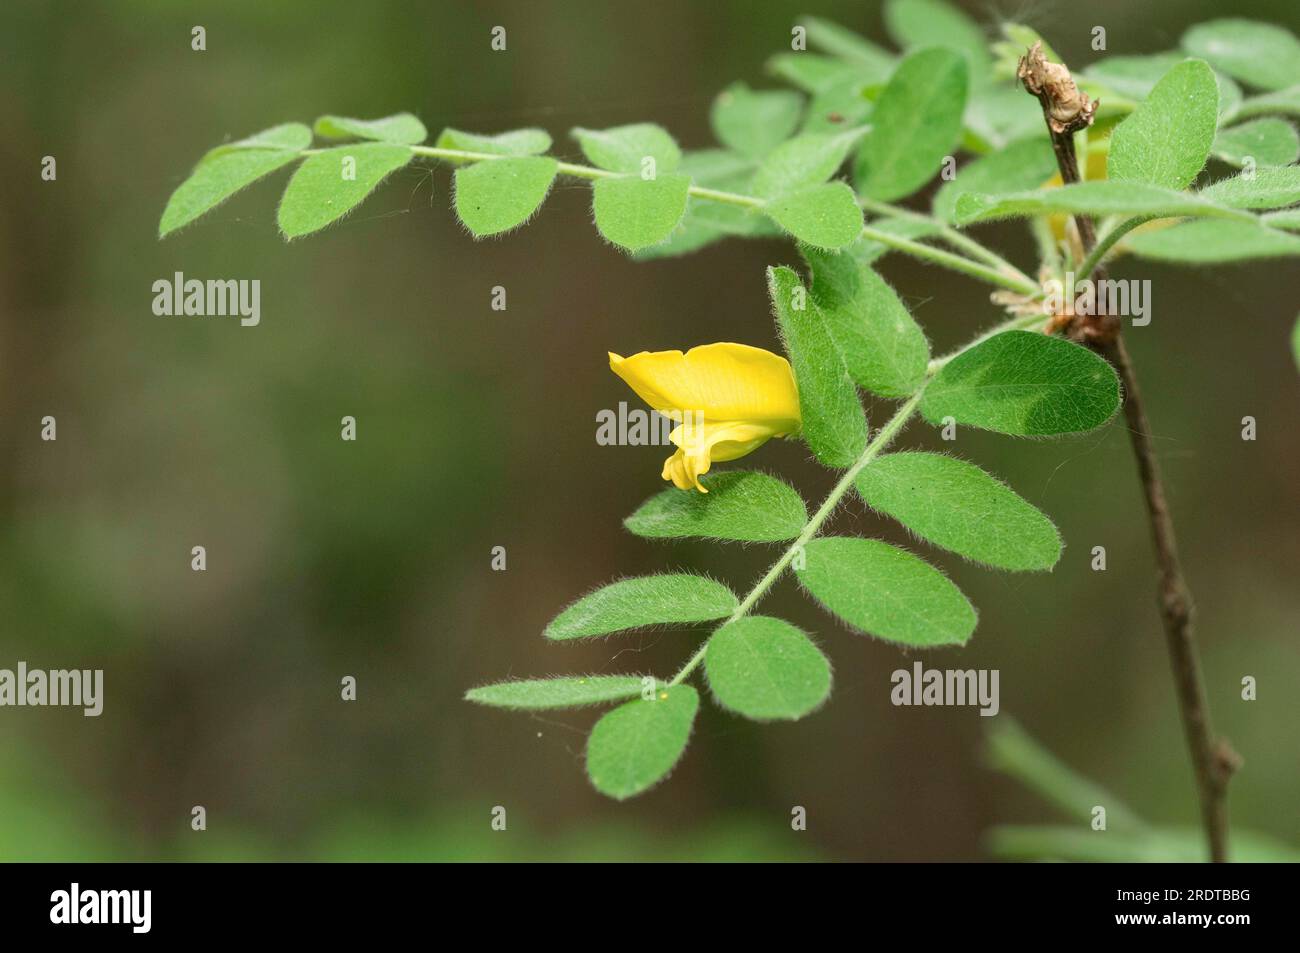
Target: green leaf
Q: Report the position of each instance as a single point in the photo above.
(1287, 218)
(744, 506)
(956, 505)
(402, 127)
(497, 195)
(633, 748)
(997, 116)
(1020, 166)
(1210, 242)
(1167, 139)
(844, 105)
(833, 423)
(1285, 101)
(642, 601)
(883, 348)
(216, 178)
(919, 23)
(636, 212)
(812, 72)
(1266, 141)
(803, 161)
(707, 222)
(916, 123)
(517, 142)
(1101, 197)
(1265, 188)
(886, 592)
(290, 135)
(623, 148)
(766, 669)
(1258, 54)
(333, 182)
(755, 123)
(1025, 384)
(542, 693)
(825, 216)
(844, 43)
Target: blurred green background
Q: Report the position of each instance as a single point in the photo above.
(477, 429)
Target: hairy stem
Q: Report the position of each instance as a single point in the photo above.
(951, 235)
(1003, 274)
(1094, 257)
(1212, 759)
(882, 439)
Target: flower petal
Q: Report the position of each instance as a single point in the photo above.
(700, 446)
(724, 382)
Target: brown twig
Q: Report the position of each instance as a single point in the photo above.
(1066, 110)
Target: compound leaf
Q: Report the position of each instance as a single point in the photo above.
(401, 128)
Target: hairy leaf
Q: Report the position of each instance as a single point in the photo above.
(755, 123)
(547, 693)
(636, 745)
(803, 161)
(1167, 139)
(624, 148)
(766, 669)
(1020, 166)
(1263, 188)
(883, 348)
(1259, 54)
(886, 592)
(811, 72)
(844, 43)
(917, 121)
(401, 128)
(1207, 242)
(637, 213)
(333, 182)
(743, 506)
(517, 142)
(641, 601)
(1265, 141)
(707, 222)
(1284, 101)
(1101, 197)
(500, 194)
(921, 23)
(956, 505)
(833, 423)
(1025, 384)
(290, 135)
(216, 178)
(824, 216)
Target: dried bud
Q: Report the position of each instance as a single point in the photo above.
(1067, 109)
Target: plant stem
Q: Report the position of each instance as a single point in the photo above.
(1092, 262)
(951, 235)
(1004, 275)
(882, 439)
(1213, 760)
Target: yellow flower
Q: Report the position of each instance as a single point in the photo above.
(729, 399)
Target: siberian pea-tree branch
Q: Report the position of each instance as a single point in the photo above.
(1213, 760)
(1000, 272)
(884, 436)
